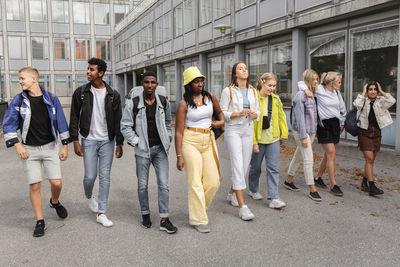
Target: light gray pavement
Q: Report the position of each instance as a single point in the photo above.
(353, 230)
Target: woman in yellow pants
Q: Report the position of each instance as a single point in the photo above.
(195, 146)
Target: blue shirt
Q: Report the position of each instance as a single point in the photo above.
(246, 102)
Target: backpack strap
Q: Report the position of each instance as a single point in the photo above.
(230, 93)
(163, 101)
(135, 110)
(269, 107)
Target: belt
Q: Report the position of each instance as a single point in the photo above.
(198, 130)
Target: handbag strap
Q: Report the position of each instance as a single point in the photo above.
(358, 118)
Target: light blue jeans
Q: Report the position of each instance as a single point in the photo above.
(159, 159)
(98, 155)
(271, 153)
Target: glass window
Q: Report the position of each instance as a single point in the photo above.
(44, 81)
(37, 10)
(167, 27)
(102, 13)
(169, 82)
(15, 9)
(281, 66)
(16, 47)
(40, 48)
(80, 80)
(257, 62)
(61, 48)
(178, 20)
(158, 35)
(120, 11)
(186, 64)
(243, 3)
(15, 86)
(189, 15)
(60, 11)
(220, 69)
(108, 79)
(3, 91)
(81, 13)
(205, 12)
(375, 57)
(103, 50)
(63, 86)
(1, 48)
(82, 49)
(221, 8)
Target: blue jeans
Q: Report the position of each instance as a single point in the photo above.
(271, 153)
(98, 155)
(159, 159)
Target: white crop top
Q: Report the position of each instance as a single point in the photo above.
(201, 116)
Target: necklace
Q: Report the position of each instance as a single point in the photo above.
(198, 100)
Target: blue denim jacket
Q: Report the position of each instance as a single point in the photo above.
(138, 137)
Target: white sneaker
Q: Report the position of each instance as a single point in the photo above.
(93, 205)
(276, 203)
(256, 195)
(232, 198)
(102, 219)
(245, 213)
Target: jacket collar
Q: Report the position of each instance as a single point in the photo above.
(108, 87)
(44, 92)
(141, 101)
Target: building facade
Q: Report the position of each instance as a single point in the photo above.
(358, 38)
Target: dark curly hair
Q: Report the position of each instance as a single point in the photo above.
(188, 95)
(372, 83)
(101, 64)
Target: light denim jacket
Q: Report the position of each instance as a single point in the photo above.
(138, 137)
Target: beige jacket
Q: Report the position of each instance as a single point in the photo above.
(381, 106)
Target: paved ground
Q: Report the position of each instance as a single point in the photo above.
(353, 230)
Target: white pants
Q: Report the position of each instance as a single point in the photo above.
(305, 155)
(239, 139)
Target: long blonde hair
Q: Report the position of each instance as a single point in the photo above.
(328, 77)
(264, 78)
(308, 76)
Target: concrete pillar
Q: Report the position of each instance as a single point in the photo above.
(397, 142)
(134, 80)
(125, 84)
(178, 82)
(239, 53)
(160, 77)
(203, 64)
(298, 57)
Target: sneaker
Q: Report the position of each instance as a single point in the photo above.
(61, 211)
(290, 186)
(256, 195)
(315, 196)
(276, 203)
(93, 205)
(364, 185)
(336, 191)
(319, 182)
(102, 219)
(245, 213)
(166, 225)
(202, 228)
(373, 190)
(232, 198)
(146, 222)
(39, 228)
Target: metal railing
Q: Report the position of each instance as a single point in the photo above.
(133, 14)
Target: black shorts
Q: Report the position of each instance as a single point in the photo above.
(330, 133)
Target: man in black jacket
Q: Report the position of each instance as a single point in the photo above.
(96, 115)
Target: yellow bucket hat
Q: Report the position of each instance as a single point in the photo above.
(190, 74)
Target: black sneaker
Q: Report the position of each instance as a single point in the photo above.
(373, 190)
(319, 182)
(146, 222)
(290, 186)
(315, 196)
(336, 191)
(166, 225)
(61, 211)
(364, 185)
(39, 228)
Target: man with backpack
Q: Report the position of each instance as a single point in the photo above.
(39, 117)
(96, 114)
(146, 125)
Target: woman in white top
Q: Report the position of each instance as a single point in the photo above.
(332, 113)
(239, 103)
(195, 146)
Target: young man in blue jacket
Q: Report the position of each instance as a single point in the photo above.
(39, 117)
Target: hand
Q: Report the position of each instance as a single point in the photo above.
(21, 151)
(78, 149)
(341, 129)
(180, 163)
(118, 151)
(64, 153)
(252, 115)
(308, 93)
(217, 124)
(364, 89)
(304, 142)
(256, 148)
(282, 140)
(245, 112)
(380, 89)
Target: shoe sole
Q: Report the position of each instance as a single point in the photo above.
(277, 208)
(364, 189)
(45, 228)
(107, 226)
(204, 231)
(247, 219)
(168, 231)
(291, 189)
(144, 226)
(57, 212)
(374, 194)
(255, 198)
(315, 199)
(336, 194)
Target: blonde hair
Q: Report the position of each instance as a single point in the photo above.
(331, 76)
(264, 78)
(308, 76)
(30, 70)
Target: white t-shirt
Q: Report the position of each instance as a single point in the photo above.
(98, 124)
(200, 117)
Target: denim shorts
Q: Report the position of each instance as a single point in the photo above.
(330, 133)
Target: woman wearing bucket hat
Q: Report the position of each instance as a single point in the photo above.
(195, 146)
(239, 103)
